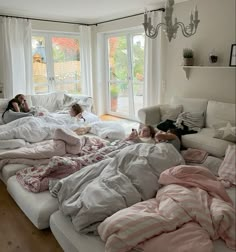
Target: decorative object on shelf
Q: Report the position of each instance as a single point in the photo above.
(213, 58)
(187, 57)
(171, 27)
(232, 61)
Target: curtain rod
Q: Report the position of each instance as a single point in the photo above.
(65, 22)
(47, 20)
(111, 20)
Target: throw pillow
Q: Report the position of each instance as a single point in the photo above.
(227, 170)
(70, 100)
(170, 112)
(193, 120)
(227, 133)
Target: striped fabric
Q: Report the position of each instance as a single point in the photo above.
(227, 170)
(194, 121)
(173, 206)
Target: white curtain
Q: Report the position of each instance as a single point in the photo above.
(154, 65)
(86, 60)
(17, 56)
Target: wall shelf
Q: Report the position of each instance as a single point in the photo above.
(188, 68)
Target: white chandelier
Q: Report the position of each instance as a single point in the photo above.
(170, 28)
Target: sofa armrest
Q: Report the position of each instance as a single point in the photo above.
(150, 115)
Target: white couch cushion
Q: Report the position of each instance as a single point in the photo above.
(204, 140)
(3, 104)
(191, 104)
(50, 101)
(170, 112)
(220, 112)
(37, 206)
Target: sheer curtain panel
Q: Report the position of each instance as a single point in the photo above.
(154, 66)
(17, 56)
(86, 60)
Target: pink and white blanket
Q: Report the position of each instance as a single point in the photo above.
(190, 211)
(36, 179)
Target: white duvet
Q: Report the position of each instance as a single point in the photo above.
(35, 129)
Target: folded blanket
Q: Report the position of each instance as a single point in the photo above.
(194, 155)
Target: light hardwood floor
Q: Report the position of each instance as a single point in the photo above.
(17, 233)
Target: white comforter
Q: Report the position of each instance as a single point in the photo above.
(98, 191)
(35, 129)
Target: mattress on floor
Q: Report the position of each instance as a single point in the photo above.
(10, 170)
(37, 206)
(71, 241)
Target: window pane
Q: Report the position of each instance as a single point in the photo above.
(118, 62)
(39, 60)
(66, 58)
(138, 57)
(42, 89)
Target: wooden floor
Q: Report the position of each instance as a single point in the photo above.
(17, 233)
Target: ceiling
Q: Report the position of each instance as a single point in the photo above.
(78, 11)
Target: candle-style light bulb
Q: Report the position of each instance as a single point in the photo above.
(145, 16)
(191, 17)
(196, 13)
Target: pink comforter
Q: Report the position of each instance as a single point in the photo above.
(192, 209)
(36, 178)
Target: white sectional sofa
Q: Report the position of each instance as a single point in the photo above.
(217, 114)
(52, 102)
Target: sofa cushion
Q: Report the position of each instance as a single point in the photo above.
(227, 133)
(220, 112)
(191, 104)
(3, 104)
(170, 112)
(85, 101)
(49, 101)
(204, 140)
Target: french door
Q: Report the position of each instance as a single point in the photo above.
(125, 73)
(56, 62)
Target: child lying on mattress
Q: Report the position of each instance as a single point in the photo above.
(147, 134)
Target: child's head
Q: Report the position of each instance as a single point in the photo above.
(76, 110)
(147, 131)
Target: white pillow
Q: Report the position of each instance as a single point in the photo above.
(170, 112)
(227, 133)
(68, 101)
(108, 130)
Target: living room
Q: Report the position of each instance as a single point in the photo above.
(165, 75)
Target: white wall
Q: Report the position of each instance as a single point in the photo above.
(216, 30)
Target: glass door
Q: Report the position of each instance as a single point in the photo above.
(56, 63)
(125, 74)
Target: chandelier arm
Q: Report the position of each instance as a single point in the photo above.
(155, 31)
(184, 30)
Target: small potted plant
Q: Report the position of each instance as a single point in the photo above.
(188, 57)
